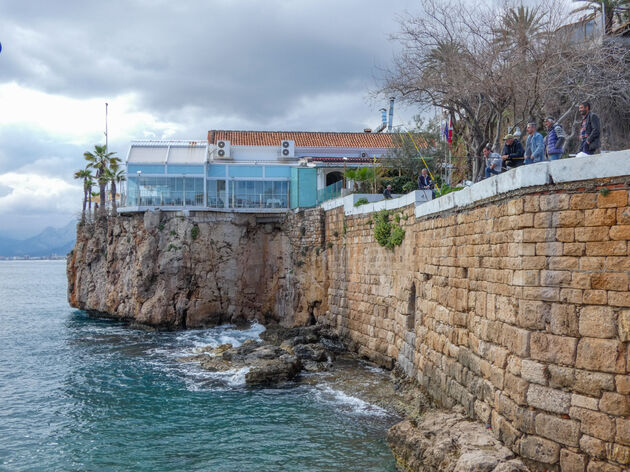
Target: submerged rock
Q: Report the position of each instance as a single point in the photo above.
(448, 442)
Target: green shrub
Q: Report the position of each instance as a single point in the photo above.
(386, 234)
(444, 189)
(329, 245)
(397, 218)
(161, 226)
(299, 263)
(194, 232)
(173, 232)
(336, 234)
(409, 187)
(396, 239)
(398, 183)
(604, 191)
(345, 229)
(361, 201)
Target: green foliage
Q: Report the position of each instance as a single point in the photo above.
(345, 229)
(173, 232)
(161, 226)
(317, 251)
(397, 218)
(366, 177)
(336, 234)
(444, 189)
(194, 232)
(329, 245)
(304, 251)
(405, 217)
(361, 201)
(386, 234)
(398, 183)
(299, 263)
(397, 236)
(171, 247)
(409, 187)
(604, 191)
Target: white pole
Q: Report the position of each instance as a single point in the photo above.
(106, 137)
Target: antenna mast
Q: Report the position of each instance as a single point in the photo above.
(106, 137)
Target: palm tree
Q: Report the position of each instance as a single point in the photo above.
(612, 8)
(86, 175)
(115, 175)
(100, 160)
(519, 27)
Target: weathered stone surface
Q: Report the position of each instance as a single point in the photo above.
(597, 322)
(539, 449)
(572, 462)
(550, 348)
(594, 423)
(601, 355)
(548, 399)
(447, 442)
(558, 429)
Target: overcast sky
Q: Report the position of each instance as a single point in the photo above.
(172, 70)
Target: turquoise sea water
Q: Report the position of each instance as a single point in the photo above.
(84, 394)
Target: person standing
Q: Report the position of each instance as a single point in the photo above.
(493, 161)
(425, 182)
(388, 192)
(513, 152)
(535, 145)
(590, 130)
(554, 141)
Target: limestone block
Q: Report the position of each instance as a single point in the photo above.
(561, 377)
(616, 198)
(534, 372)
(621, 232)
(595, 297)
(615, 404)
(561, 430)
(516, 340)
(583, 201)
(623, 384)
(594, 423)
(533, 314)
(592, 233)
(619, 299)
(596, 448)
(610, 281)
(623, 325)
(606, 248)
(623, 431)
(592, 383)
(548, 399)
(600, 217)
(550, 348)
(582, 401)
(568, 218)
(539, 449)
(563, 320)
(595, 466)
(516, 388)
(601, 355)
(621, 454)
(597, 322)
(571, 461)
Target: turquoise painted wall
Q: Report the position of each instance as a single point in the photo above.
(303, 187)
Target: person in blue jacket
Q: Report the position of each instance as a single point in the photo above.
(535, 145)
(554, 141)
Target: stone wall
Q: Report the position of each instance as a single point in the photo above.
(174, 270)
(517, 308)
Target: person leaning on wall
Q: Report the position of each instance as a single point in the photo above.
(513, 153)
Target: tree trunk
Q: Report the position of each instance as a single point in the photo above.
(113, 198)
(102, 190)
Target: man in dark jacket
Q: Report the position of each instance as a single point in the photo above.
(590, 130)
(425, 182)
(554, 141)
(513, 153)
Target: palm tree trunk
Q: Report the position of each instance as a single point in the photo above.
(85, 190)
(102, 190)
(113, 198)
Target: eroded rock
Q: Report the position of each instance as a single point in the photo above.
(448, 442)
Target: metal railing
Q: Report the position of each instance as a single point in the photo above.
(330, 192)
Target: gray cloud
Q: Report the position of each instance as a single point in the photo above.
(199, 64)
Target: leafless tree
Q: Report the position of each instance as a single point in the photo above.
(494, 68)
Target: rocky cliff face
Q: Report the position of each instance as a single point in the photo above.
(177, 271)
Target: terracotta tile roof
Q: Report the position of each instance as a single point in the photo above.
(304, 138)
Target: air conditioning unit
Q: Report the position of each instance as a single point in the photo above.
(223, 149)
(364, 154)
(287, 149)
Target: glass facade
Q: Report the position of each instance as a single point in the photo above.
(241, 187)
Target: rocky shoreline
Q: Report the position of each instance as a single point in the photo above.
(426, 440)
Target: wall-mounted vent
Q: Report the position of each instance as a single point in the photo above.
(287, 149)
(223, 149)
(364, 154)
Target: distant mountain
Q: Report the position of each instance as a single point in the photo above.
(51, 241)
